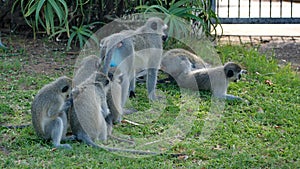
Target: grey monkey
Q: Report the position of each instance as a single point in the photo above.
(87, 118)
(217, 79)
(180, 61)
(113, 103)
(118, 54)
(48, 111)
(88, 122)
(148, 49)
(214, 79)
(87, 66)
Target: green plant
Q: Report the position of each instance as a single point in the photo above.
(80, 34)
(43, 13)
(179, 13)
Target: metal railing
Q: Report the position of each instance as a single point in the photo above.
(257, 11)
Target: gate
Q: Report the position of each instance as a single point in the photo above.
(257, 11)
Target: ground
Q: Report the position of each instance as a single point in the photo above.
(45, 57)
(285, 49)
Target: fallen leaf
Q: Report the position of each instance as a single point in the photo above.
(269, 82)
(183, 157)
(217, 147)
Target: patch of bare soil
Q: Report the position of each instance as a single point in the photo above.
(285, 52)
(285, 49)
(39, 56)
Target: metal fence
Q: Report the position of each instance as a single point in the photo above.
(257, 11)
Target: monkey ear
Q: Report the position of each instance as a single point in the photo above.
(229, 73)
(65, 89)
(120, 44)
(154, 26)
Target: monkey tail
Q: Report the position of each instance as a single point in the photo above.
(15, 127)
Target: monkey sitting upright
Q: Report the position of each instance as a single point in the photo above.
(214, 79)
(118, 54)
(48, 111)
(87, 118)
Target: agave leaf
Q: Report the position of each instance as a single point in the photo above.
(37, 11)
(70, 40)
(57, 10)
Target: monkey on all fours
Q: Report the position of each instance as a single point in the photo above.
(148, 49)
(48, 111)
(214, 79)
(218, 78)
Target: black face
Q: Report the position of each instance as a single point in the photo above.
(164, 37)
(65, 89)
(229, 73)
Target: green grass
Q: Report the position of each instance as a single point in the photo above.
(264, 133)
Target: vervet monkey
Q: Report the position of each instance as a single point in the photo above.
(114, 99)
(214, 79)
(148, 49)
(178, 53)
(118, 54)
(90, 65)
(88, 122)
(88, 116)
(87, 67)
(48, 111)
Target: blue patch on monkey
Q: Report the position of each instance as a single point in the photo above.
(116, 59)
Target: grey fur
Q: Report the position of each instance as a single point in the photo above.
(88, 124)
(48, 111)
(87, 67)
(148, 51)
(118, 49)
(88, 116)
(195, 61)
(214, 79)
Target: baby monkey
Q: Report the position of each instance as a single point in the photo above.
(48, 111)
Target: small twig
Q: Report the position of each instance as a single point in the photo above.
(130, 122)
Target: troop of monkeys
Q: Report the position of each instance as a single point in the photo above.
(94, 99)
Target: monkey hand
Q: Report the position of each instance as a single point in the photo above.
(68, 103)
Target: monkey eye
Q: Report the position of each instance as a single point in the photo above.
(65, 89)
(229, 73)
(154, 26)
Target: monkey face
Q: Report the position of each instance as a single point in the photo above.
(64, 84)
(158, 26)
(233, 71)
